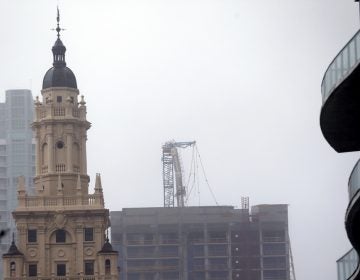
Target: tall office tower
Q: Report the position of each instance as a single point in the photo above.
(339, 122)
(17, 156)
(202, 243)
(61, 229)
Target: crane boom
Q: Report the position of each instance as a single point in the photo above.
(172, 173)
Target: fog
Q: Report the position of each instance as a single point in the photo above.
(242, 78)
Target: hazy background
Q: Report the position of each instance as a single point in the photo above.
(242, 78)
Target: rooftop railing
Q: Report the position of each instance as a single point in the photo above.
(40, 202)
(347, 265)
(60, 111)
(342, 65)
(354, 181)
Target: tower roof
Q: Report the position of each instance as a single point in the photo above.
(13, 250)
(59, 75)
(107, 248)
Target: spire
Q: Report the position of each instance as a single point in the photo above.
(13, 250)
(58, 49)
(107, 247)
(59, 75)
(21, 185)
(98, 187)
(58, 29)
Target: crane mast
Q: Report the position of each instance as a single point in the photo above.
(173, 173)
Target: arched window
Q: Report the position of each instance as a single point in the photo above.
(12, 269)
(107, 267)
(60, 236)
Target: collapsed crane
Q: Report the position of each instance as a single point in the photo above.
(173, 174)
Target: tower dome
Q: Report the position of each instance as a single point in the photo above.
(59, 75)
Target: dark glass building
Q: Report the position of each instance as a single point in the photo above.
(339, 122)
(17, 156)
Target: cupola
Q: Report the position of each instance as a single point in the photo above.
(59, 75)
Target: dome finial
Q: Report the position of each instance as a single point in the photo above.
(58, 29)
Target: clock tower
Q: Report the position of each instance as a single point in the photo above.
(62, 229)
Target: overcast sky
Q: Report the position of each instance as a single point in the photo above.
(241, 77)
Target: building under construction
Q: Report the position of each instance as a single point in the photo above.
(203, 243)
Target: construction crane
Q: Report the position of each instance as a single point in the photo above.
(173, 174)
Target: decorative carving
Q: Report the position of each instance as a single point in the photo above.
(60, 220)
(61, 253)
(32, 252)
(89, 251)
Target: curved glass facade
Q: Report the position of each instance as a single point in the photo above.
(347, 265)
(341, 66)
(354, 181)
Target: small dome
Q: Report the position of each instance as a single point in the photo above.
(59, 77)
(13, 250)
(107, 248)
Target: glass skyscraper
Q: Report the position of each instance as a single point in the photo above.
(17, 155)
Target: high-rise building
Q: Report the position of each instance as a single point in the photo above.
(17, 155)
(202, 243)
(339, 121)
(61, 229)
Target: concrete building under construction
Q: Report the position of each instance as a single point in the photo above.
(208, 242)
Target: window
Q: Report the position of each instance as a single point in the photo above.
(32, 235)
(12, 269)
(32, 270)
(89, 268)
(61, 269)
(60, 236)
(58, 99)
(88, 234)
(107, 267)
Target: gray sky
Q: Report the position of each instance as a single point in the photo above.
(242, 78)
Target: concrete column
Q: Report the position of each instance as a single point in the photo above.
(69, 145)
(51, 159)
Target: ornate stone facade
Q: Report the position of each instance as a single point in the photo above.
(61, 229)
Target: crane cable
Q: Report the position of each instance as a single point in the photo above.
(206, 180)
(191, 174)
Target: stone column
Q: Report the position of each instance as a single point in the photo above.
(69, 145)
(38, 155)
(83, 164)
(41, 235)
(51, 153)
(79, 266)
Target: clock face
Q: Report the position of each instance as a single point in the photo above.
(60, 144)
